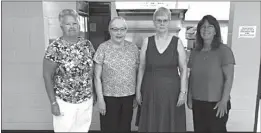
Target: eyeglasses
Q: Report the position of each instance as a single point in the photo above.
(207, 27)
(164, 21)
(118, 29)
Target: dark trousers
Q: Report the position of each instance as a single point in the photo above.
(118, 115)
(204, 117)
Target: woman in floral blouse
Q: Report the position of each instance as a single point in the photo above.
(115, 78)
(68, 71)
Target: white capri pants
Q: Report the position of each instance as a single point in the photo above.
(74, 117)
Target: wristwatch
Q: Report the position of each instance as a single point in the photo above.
(53, 103)
(184, 92)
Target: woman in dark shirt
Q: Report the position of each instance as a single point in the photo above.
(211, 67)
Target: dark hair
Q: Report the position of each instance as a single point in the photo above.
(217, 40)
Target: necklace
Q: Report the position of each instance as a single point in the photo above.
(116, 46)
(205, 57)
(205, 53)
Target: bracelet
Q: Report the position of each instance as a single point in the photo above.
(53, 103)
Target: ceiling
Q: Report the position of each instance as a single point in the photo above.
(195, 10)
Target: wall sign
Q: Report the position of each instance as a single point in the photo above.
(247, 32)
(93, 27)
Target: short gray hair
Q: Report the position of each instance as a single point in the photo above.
(118, 18)
(68, 12)
(162, 11)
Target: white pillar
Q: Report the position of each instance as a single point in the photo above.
(247, 55)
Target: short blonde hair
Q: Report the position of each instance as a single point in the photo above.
(68, 12)
(118, 18)
(162, 11)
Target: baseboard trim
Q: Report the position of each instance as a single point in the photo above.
(27, 131)
(51, 131)
(44, 131)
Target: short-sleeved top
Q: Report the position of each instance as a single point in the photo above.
(119, 68)
(74, 73)
(206, 76)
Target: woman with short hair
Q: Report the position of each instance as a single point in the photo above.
(160, 90)
(68, 74)
(116, 63)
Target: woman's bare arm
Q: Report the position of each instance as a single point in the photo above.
(97, 81)
(182, 66)
(142, 64)
(49, 68)
(228, 71)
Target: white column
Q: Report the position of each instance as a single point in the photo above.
(247, 55)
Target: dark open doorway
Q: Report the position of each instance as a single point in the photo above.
(98, 16)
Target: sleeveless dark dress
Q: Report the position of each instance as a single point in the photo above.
(160, 91)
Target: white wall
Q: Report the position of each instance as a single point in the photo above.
(24, 100)
(247, 55)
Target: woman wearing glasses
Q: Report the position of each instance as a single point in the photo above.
(115, 78)
(161, 90)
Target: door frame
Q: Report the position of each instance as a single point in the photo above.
(258, 98)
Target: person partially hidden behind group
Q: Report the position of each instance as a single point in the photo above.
(211, 67)
(68, 74)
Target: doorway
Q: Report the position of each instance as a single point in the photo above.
(258, 105)
(96, 17)
(100, 16)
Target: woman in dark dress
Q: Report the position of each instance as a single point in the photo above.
(161, 90)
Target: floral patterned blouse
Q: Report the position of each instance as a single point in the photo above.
(73, 76)
(119, 68)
